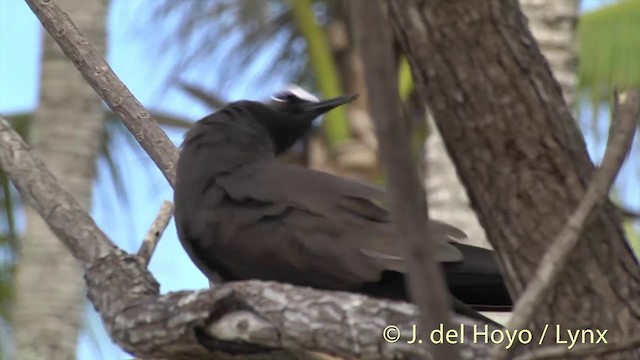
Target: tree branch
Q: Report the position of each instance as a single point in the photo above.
(155, 232)
(271, 315)
(103, 80)
(621, 132)
(233, 317)
(408, 199)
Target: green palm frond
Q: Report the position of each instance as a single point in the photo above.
(8, 251)
(633, 234)
(405, 81)
(116, 129)
(321, 60)
(609, 49)
(7, 271)
(8, 196)
(108, 156)
(9, 233)
(9, 201)
(205, 96)
(233, 34)
(260, 39)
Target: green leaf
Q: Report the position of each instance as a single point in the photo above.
(335, 124)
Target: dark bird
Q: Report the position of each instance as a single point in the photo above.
(243, 214)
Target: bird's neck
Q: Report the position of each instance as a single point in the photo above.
(222, 146)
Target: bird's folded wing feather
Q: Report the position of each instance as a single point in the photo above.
(349, 210)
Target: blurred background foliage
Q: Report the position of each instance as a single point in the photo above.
(609, 50)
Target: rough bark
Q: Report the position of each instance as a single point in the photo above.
(66, 133)
(520, 155)
(553, 24)
(554, 262)
(253, 314)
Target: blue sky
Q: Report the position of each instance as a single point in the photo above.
(144, 73)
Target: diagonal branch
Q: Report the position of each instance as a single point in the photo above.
(155, 232)
(104, 81)
(425, 280)
(623, 123)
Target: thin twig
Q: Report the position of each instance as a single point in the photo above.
(623, 123)
(104, 81)
(408, 199)
(580, 351)
(155, 232)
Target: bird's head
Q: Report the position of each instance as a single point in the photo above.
(291, 112)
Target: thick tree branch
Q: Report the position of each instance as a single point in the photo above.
(254, 315)
(267, 314)
(103, 80)
(554, 261)
(408, 199)
(155, 232)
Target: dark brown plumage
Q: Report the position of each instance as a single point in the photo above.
(243, 214)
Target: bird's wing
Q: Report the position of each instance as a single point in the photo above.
(351, 211)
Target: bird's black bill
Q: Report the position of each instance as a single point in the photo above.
(323, 106)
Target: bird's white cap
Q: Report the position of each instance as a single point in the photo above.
(296, 91)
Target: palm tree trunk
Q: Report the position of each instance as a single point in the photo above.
(66, 134)
(553, 24)
(447, 197)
